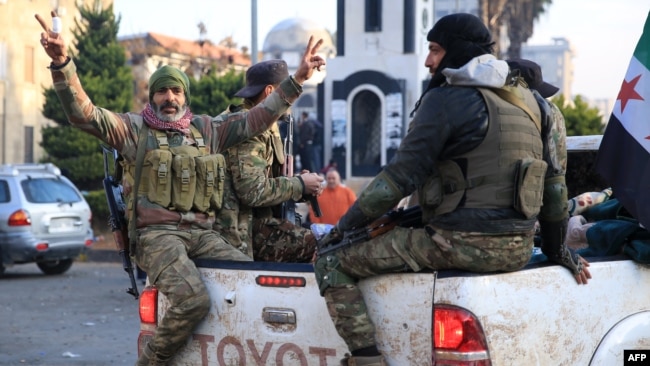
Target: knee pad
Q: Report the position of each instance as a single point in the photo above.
(328, 273)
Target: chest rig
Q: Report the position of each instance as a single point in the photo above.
(178, 176)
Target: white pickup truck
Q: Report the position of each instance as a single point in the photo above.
(272, 314)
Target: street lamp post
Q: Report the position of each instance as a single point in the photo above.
(253, 32)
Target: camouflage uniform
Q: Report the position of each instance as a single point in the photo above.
(253, 191)
(475, 234)
(168, 240)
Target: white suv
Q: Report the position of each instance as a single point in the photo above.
(43, 218)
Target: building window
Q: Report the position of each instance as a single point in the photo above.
(29, 64)
(29, 144)
(373, 15)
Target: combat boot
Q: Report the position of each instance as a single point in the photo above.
(364, 361)
(149, 358)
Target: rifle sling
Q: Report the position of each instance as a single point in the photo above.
(139, 160)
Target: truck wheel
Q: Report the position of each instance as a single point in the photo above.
(55, 267)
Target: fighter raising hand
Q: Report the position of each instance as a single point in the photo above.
(52, 41)
(310, 61)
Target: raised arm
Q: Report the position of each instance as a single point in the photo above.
(231, 129)
(108, 126)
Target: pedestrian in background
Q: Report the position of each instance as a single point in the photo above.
(334, 201)
(306, 134)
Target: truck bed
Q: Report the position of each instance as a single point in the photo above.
(535, 316)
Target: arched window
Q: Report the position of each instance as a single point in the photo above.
(366, 134)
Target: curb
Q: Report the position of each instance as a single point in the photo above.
(99, 255)
(109, 256)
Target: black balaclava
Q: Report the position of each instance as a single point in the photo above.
(463, 37)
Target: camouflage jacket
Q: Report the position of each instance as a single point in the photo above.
(115, 129)
(120, 130)
(253, 185)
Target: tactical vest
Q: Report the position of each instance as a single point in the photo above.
(505, 171)
(180, 178)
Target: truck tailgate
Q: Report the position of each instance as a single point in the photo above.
(250, 324)
(540, 316)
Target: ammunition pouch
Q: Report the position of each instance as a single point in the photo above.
(529, 186)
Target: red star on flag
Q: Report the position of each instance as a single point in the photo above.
(627, 92)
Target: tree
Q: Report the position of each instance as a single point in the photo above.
(580, 119)
(491, 13)
(211, 94)
(517, 15)
(521, 16)
(101, 65)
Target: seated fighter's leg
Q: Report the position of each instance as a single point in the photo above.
(162, 254)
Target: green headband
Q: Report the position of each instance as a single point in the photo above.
(169, 76)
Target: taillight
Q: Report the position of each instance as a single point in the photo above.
(90, 241)
(149, 305)
(20, 218)
(458, 338)
(280, 281)
(41, 247)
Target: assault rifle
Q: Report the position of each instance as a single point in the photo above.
(289, 207)
(116, 220)
(409, 217)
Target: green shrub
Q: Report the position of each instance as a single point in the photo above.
(97, 202)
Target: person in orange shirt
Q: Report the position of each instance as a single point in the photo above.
(334, 201)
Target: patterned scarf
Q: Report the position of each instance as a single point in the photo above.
(183, 124)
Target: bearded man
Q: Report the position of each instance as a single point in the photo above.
(171, 166)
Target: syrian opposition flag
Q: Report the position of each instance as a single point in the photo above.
(623, 159)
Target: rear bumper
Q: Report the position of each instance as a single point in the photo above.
(21, 248)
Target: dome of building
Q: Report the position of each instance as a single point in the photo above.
(292, 35)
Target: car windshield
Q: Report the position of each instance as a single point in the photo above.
(49, 191)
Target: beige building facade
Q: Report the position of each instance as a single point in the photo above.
(24, 74)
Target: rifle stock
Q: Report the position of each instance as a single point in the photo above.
(117, 221)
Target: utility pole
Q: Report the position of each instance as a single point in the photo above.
(5, 84)
(253, 32)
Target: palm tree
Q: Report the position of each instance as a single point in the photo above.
(492, 12)
(520, 16)
(517, 15)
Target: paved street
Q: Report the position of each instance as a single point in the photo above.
(83, 317)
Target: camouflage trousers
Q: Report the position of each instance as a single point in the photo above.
(403, 250)
(166, 256)
(275, 240)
